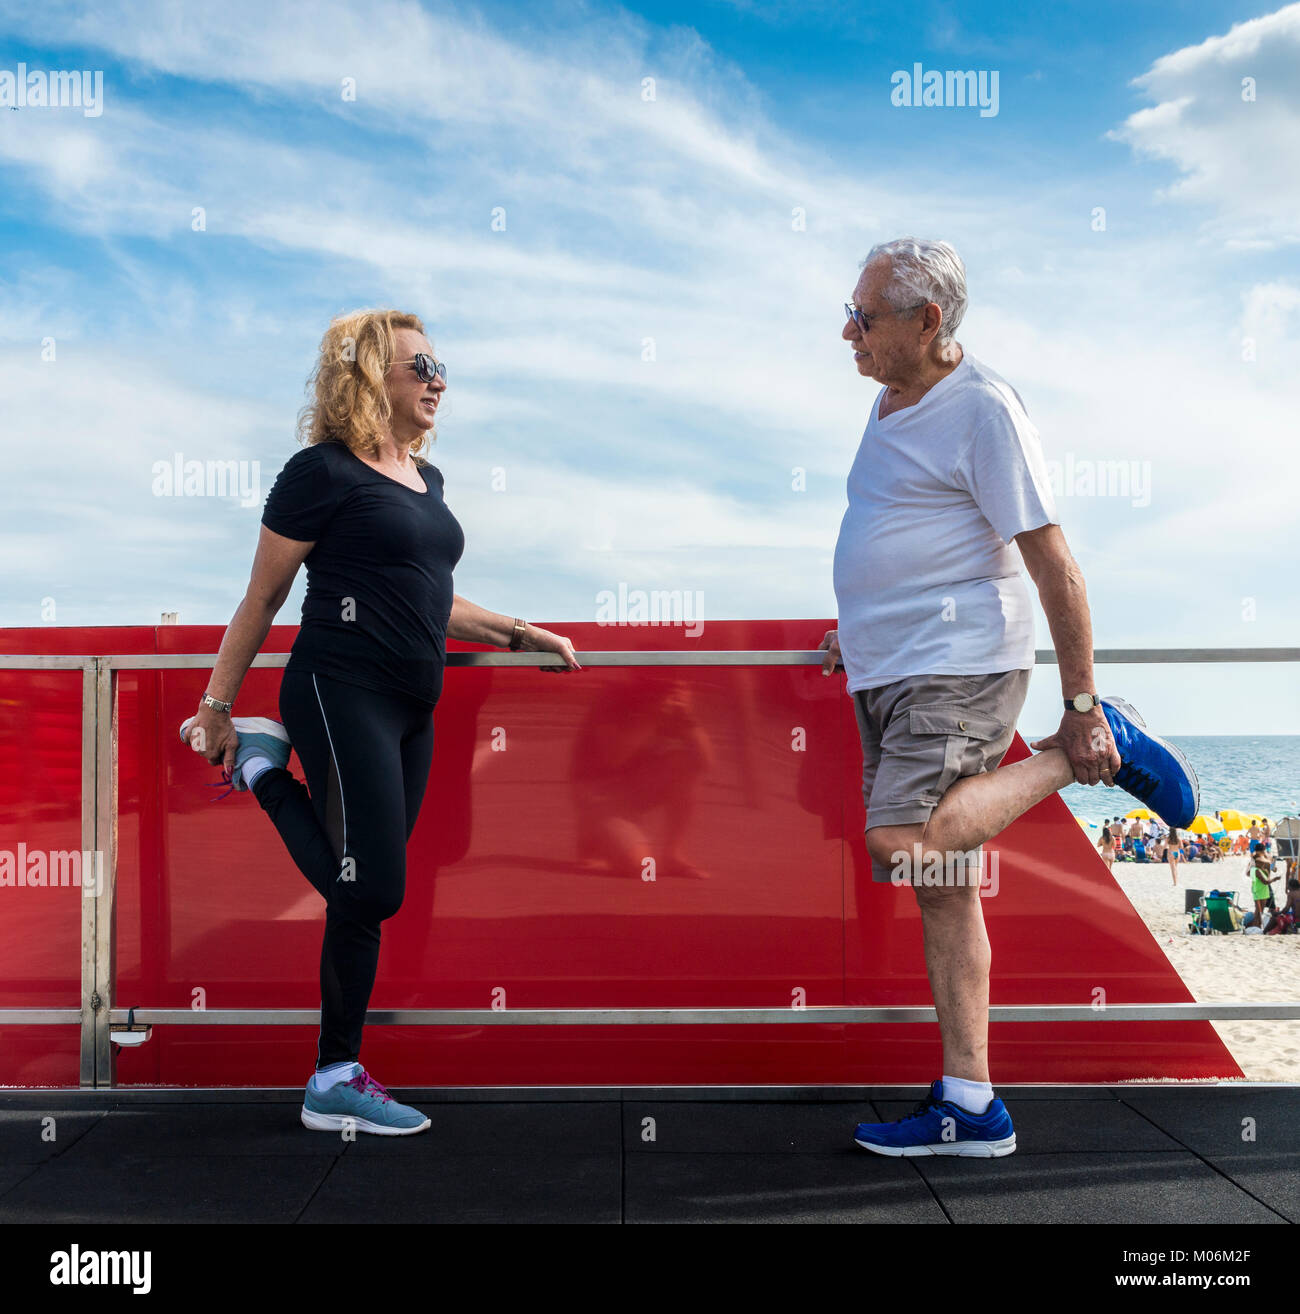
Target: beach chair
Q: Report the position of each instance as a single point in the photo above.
(1224, 916)
(1200, 923)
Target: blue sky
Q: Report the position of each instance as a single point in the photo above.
(721, 224)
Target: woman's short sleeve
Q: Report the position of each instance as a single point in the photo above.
(303, 497)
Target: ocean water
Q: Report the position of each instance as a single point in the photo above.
(1253, 773)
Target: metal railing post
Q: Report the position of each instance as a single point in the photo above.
(103, 963)
(89, 845)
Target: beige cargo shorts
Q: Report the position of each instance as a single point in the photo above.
(923, 733)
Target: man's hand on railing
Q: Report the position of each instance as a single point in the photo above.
(213, 735)
(830, 645)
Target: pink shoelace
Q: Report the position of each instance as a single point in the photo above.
(366, 1084)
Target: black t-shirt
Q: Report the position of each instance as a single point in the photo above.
(379, 588)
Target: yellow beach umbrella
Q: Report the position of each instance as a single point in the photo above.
(1203, 825)
(1140, 814)
(1235, 820)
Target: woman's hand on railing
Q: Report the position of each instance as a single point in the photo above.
(536, 639)
(213, 735)
(830, 645)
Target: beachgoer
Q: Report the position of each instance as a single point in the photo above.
(1261, 881)
(1107, 846)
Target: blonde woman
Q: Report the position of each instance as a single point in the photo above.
(364, 509)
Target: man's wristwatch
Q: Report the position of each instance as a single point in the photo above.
(215, 703)
(1083, 702)
(517, 639)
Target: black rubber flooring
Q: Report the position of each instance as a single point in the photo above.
(1131, 1154)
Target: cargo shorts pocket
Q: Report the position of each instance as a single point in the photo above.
(961, 730)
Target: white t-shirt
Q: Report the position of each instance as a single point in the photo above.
(927, 578)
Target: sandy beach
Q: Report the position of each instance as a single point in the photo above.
(1224, 968)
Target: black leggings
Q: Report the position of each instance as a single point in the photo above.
(367, 756)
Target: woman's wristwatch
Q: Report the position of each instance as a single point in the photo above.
(517, 639)
(215, 703)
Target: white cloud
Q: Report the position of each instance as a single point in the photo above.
(81, 436)
(1227, 115)
(1268, 309)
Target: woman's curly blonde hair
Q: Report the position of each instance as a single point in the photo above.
(349, 400)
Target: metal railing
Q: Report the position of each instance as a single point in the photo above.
(99, 1016)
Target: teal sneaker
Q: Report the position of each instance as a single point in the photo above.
(259, 736)
(359, 1102)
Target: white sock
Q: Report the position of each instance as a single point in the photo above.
(333, 1074)
(973, 1096)
(254, 768)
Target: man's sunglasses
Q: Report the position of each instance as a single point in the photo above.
(426, 367)
(863, 320)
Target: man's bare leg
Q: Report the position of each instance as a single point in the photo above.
(957, 954)
(957, 961)
(978, 807)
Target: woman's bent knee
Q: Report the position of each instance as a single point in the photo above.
(366, 902)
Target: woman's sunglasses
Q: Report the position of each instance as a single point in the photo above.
(427, 368)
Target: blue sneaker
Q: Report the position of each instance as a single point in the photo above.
(1154, 772)
(359, 1102)
(937, 1126)
(259, 736)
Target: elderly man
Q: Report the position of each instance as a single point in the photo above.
(948, 497)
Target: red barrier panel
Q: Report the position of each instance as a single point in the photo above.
(40, 814)
(528, 884)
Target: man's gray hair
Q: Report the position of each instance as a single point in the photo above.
(922, 270)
